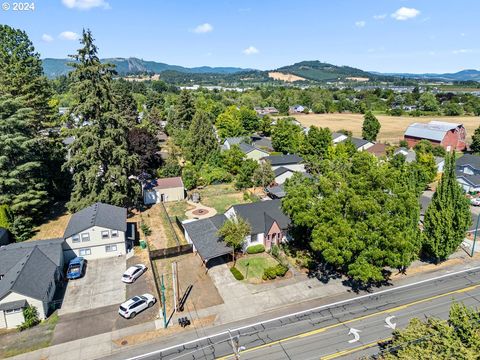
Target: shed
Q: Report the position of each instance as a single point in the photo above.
(164, 190)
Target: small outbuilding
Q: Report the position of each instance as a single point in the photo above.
(164, 190)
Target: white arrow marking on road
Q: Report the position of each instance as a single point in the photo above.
(390, 325)
(355, 333)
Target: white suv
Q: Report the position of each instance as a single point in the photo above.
(130, 308)
(133, 273)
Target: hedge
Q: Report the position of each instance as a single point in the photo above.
(274, 271)
(236, 273)
(255, 249)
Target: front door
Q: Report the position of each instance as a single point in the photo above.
(268, 242)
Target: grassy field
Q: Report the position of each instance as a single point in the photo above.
(55, 223)
(40, 336)
(177, 208)
(392, 128)
(221, 197)
(252, 266)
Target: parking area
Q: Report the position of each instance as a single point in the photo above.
(101, 319)
(101, 286)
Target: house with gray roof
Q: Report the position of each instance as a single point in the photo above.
(269, 226)
(293, 162)
(250, 151)
(98, 231)
(29, 274)
(468, 164)
(360, 144)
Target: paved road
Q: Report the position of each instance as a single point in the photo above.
(325, 332)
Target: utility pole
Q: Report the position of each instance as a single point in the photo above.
(174, 281)
(235, 343)
(475, 237)
(162, 288)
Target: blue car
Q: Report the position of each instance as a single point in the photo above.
(76, 268)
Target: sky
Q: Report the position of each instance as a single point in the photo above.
(376, 35)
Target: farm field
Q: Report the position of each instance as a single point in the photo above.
(392, 128)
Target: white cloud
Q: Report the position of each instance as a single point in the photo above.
(463, 51)
(360, 24)
(380, 16)
(251, 50)
(47, 38)
(463, 34)
(86, 4)
(203, 28)
(405, 13)
(68, 35)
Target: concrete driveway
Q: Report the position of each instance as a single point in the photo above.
(105, 318)
(101, 286)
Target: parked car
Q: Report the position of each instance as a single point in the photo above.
(130, 308)
(475, 201)
(76, 268)
(133, 273)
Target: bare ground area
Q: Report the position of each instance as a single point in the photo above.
(392, 128)
(190, 272)
(284, 77)
(55, 223)
(157, 220)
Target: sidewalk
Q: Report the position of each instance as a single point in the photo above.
(270, 298)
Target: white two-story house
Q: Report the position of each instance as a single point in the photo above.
(98, 231)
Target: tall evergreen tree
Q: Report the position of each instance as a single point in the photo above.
(201, 141)
(475, 146)
(185, 111)
(447, 217)
(371, 127)
(24, 144)
(100, 160)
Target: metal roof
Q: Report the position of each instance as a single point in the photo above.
(434, 130)
(98, 214)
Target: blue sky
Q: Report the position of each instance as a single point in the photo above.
(382, 35)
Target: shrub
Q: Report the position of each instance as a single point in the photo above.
(30, 314)
(255, 249)
(275, 251)
(146, 229)
(236, 273)
(269, 273)
(281, 270)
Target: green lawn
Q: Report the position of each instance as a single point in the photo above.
(252, 266)
(221, 197)
(177, 208)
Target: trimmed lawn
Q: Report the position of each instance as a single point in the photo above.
(177, 208)
(221, 197)
(252, 266)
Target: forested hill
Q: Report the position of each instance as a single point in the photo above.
(320, 71)
(124, 66)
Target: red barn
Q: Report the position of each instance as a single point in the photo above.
(449, 135)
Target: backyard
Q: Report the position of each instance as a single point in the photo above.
(252, 266)
(392, 128)
(221, 197)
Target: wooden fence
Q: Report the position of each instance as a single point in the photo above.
(170, 252)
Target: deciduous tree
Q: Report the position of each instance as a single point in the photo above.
(234, 231)
(286, 136)
(371, 127)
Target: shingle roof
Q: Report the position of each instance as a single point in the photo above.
(262, 141)
(98, 214)
(378, 149)
(277, 191)
(473, 180)
(255, 212)
(356, 141)
(203, 234)
(336, 135)
(168, 183)
(31, 275)
(434, 130)
(12, 305)
(276, 160)
(246, 148)
(234, 140)
(281, 170)
(469, 159)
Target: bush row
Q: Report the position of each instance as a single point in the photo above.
(236, 273)
(255, 249)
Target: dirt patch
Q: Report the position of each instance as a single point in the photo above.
(190, 272)
(55, 223)
(149, 335)
(393, 127)
(359, 79)
(156, 219)
(284, 77)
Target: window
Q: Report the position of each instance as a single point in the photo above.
(76, 238)
(13, 311)
(85, 237)
(254, 238)
(110, 248)
(86, 251)
(114, 233)
(105, 234)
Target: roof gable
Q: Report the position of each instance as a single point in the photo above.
(469, 160)
(434, 130)
(98, 214)
(255, 213)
